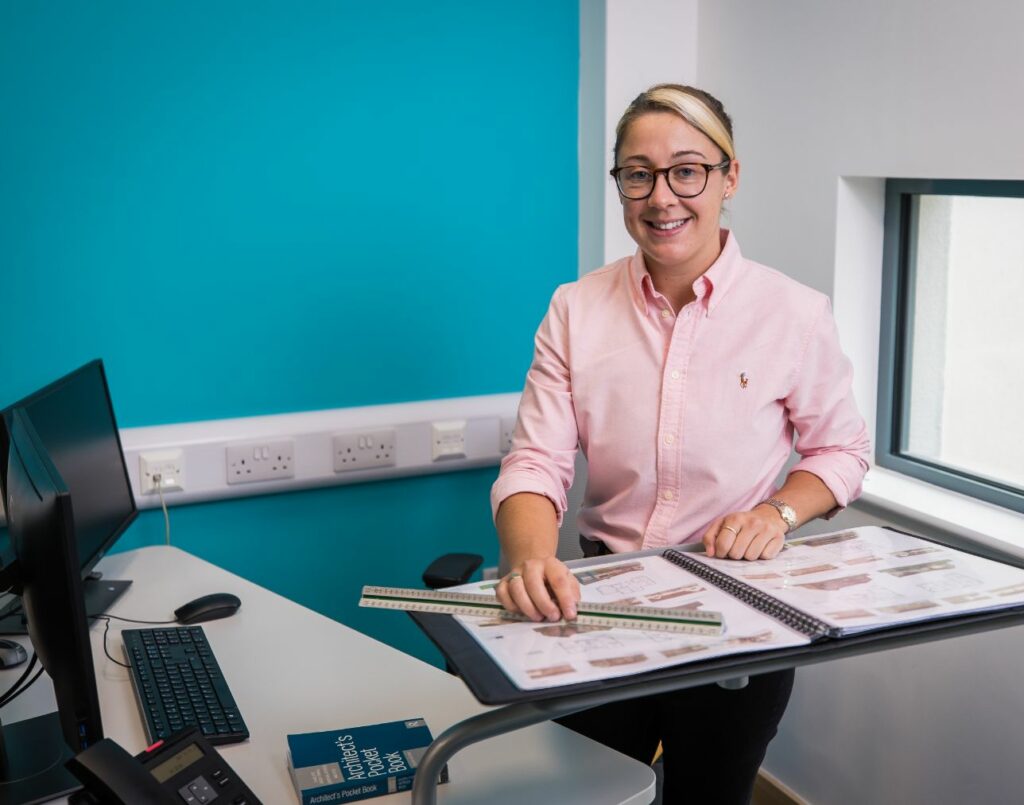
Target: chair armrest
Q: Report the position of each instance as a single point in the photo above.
(451, 569)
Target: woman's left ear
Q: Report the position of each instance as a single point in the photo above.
(732, 179)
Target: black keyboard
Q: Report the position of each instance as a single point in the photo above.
(178, 684)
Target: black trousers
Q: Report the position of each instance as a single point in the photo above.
(713, 739)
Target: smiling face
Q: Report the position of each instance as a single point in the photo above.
(678, 236)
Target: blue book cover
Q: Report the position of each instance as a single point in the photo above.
(358, 762)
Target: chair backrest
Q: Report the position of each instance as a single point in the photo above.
(569, 533)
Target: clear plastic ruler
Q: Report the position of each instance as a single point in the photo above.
(619, 616)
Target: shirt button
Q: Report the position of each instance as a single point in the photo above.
(665, 314)
(669, 439)
(668, 494)
(675, 374)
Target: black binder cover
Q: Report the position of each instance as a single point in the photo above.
(488, 683)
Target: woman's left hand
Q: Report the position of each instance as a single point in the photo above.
(755, 534)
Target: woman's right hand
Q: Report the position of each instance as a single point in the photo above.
(539, 589)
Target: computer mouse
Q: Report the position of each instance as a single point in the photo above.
(208, 608)
(12, 654)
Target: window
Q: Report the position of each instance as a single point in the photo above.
(951, 359)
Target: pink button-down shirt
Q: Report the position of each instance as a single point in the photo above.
(683, 415)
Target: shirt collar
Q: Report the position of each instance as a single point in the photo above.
(710, 287)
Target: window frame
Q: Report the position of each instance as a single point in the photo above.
(899, 274)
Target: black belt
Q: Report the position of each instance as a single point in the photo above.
(593, 547)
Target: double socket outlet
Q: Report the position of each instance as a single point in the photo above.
(508, 428)
(364, 449)
(261, 461)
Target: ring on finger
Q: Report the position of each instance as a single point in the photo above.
(735, 531)
(513, 576)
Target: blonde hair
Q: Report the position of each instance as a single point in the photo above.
(700, 109)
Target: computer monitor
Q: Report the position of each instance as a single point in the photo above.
(75, 421)
(42, 532)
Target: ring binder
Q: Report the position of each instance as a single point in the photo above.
(827, 596)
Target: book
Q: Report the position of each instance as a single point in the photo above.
(355, 763)
(823, 587)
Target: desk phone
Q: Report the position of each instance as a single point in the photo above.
(181, 770)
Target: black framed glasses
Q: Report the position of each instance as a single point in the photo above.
(686, 180)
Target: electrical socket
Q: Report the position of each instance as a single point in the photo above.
(260, 461)
(363, 449)
(448, 440)
(508, 427)
(168, 464)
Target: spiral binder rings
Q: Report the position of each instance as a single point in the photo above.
(792, 617)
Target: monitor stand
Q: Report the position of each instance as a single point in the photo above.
(32, 758)
(100, 595)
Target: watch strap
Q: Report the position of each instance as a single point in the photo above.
(785, 512)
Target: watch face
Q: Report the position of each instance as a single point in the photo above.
(785, 511)
(788, 515)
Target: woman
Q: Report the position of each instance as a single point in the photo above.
(683, 373)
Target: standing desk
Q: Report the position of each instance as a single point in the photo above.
(293, 670)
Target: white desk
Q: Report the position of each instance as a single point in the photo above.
(292, 670)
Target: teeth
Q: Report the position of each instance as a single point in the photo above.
(669, 225)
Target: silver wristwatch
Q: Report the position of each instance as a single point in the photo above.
(785, 511)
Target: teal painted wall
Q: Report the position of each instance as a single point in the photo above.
(261, 207)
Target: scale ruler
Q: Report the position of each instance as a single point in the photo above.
(619, 616)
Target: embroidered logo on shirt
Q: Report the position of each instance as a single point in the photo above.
(744, 380)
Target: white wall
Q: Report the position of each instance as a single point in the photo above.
(592, 183)
(875, 88)
(647, 42)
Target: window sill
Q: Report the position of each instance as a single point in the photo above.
(933, 506)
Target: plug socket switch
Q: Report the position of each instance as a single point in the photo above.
(260, 461)
(364, 449)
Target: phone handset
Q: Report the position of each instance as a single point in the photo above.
(111, 775)
(182, 769)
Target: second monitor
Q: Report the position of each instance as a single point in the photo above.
(75, 421)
